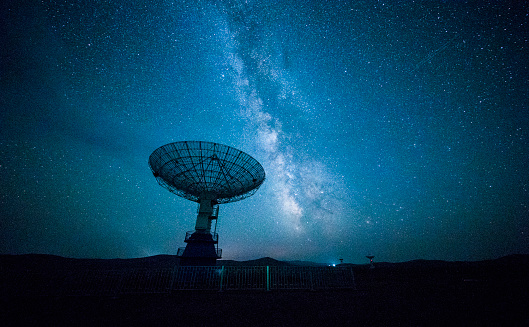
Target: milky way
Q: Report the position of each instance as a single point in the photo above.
(389, 128)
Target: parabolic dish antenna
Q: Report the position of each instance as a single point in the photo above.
(197, 169)
(208, 173)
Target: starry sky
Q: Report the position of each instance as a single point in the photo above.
(393, 128)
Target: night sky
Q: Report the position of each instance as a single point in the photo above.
(398, 129)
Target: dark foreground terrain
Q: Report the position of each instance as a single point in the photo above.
(416, 293)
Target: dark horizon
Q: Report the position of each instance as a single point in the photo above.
(172, 257)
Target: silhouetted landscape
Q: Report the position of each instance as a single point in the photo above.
(414, 293)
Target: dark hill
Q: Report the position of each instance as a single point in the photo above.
(516, 264)
(53, 262)
(266, 261)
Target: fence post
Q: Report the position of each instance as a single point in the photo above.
(221, 278)
(268, 278)
(353, 277)
(173, 277)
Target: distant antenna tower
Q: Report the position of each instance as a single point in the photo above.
(210, 174)
(371, 257)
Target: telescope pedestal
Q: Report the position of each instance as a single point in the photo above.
(200, 250)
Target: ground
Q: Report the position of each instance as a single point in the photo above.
(416, 293)
(469, 303)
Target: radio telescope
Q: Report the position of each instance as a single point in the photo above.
(210, 174)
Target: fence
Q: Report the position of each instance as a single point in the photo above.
(143, 281)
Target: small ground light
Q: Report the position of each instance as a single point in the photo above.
(370, 257)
